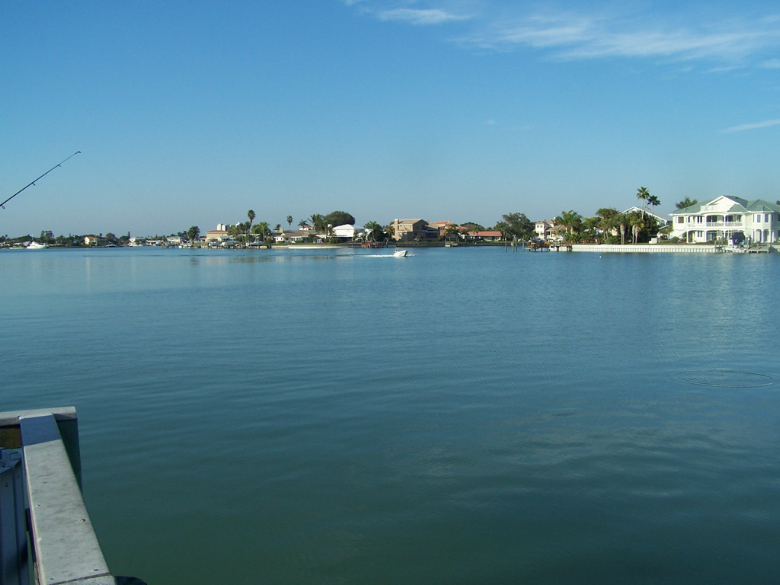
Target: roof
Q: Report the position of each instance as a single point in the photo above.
(655, 215)
(739, 205)
(761, 205)
(485, 233)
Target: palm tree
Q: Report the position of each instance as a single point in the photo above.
(621, 220)
(686, 203)
(289, 220)
(607, 219)
(590, 225)
(571, 220)
(302, 223)
(261, 229)
(643, 195)
(278, 227)
(374, 229)
(502, 227)
(251, 215)
(653, 201)
(318, 222)
(636, 222)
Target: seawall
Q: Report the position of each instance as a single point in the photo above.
(660, 248)
(645, 248)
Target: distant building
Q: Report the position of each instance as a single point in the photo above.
(347, 231)
(408, 230)
(217, 234)
(485, 236)
(725, 216)
(291, 237)
(442, 226)
(544, 229)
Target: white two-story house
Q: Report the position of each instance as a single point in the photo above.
(723, 217)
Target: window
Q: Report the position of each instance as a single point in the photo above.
(680, 219)
(757, 218)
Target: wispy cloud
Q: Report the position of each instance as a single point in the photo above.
(420, 15)
(583, 35)
(577, 37)
(755, 126)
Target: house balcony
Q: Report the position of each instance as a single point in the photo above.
(722, 224)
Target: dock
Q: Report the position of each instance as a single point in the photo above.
(46, 536)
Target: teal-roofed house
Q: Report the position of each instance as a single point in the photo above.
(726, 216)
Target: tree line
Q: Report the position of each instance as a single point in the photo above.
(608, 225)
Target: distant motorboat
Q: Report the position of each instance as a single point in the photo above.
(399, 254)
(36, 246)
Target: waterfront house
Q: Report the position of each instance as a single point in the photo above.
(407, 230)
(217, 235)
(725, 216)
(544, 229)
(347, 232)
(484, 236)
(443, 226)
(291, 237)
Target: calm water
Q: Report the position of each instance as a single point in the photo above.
(460, 416)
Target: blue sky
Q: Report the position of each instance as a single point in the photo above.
(191, 113)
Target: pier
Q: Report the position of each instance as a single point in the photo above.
(46, 535)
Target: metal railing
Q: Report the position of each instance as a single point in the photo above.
(44, 524)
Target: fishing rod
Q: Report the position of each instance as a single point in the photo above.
(2, 205)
